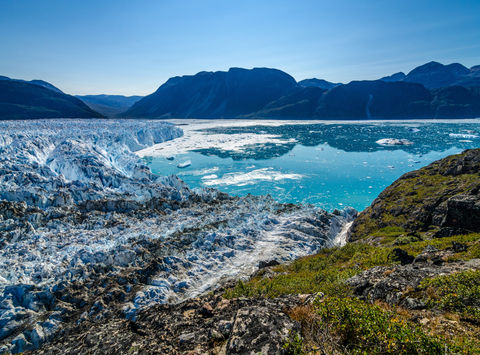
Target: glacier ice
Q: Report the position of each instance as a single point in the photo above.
(86, 230)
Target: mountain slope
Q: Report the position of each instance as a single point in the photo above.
(24, 100)
(434, 75)
(319, 83)
(35, 82)
(301, 103)
(375, 99)
(215, 94)
(109, 105)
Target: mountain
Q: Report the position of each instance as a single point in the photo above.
(456, 102)
(375, 99)
(109, 105)
(301, 103)
(434, 75)
(394, 77)
(34, 82)
(219, 94)
(319, 83)
(24, 100)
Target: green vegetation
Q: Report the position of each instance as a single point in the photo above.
(327, 271)
(324, 272)
(344, 322)
(459, 292)
(359, 328)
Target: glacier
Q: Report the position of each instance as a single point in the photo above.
(88, 232)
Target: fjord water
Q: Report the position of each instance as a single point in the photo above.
(330, 166)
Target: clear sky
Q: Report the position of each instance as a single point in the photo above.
(131, 47)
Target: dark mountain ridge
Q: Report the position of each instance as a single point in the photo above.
(319, 83)
(215, 94)
(109, 105)
(434, 75)
(37, 82)
(432, 90)
(27, 100)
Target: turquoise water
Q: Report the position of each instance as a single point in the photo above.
(342, 166)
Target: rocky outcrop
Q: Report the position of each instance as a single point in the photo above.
(393, 283)
(443, 197)
(208, 324)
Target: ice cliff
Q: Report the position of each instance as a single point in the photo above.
(87, 231)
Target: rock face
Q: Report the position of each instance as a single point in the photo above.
(235, 326)
(392, 284)
(38, 99)
(88, 233)
(215, 94)
(442, 198)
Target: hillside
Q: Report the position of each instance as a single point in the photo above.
(318, 83)
(434, 75)
(109, 105)
(27, 100)
(215, 94)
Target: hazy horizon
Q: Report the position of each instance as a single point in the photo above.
(108, 47)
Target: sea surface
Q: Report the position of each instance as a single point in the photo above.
(329, 165)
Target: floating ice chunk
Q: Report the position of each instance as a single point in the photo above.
(208, 177)
(463, 135)
(393, 141)
(184, 164)
(252, 177)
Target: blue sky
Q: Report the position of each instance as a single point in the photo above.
(131, 47)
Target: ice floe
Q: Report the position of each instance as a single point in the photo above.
(393, 141)
(251, 177)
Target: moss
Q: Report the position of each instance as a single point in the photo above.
(324, 272)
(327, 271)
(458, 292)
(360, 328)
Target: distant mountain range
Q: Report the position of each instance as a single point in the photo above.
(432, 90)
(434, 75)
(21, 99)
(109, 105)
(319, 83)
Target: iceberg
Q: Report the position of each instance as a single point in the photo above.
(393, 141)
(184, 164)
